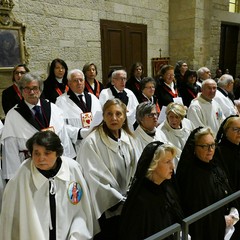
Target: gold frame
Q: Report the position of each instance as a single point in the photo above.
(11, 32)
(14, 35)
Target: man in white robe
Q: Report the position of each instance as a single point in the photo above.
(74, 112)
(204, 110)
(223, 94)
(118, 90)
(22, 122)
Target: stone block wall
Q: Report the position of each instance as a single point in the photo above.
(70, 29)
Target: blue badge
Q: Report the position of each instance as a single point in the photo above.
(74, 192)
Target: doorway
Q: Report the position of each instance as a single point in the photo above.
(228, 48)
(122, 44)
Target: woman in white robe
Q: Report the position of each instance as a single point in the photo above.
(176, 128)
(109, 157)
(147, 119)
(48, 197)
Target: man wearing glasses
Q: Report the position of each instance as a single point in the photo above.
(118, 90)
(32, 114)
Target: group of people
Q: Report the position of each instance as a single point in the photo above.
(81, 161)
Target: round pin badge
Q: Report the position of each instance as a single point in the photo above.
(74, 192)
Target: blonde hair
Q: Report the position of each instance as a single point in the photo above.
(158, 156)
(229, 122)
(177, 109)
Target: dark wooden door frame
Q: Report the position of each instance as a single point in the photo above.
(122, 44)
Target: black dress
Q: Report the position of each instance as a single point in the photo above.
(202, 184)
(227, 156)
(134, 85)
(149, 207)
(164, 94)
(188, 92)
(53, 89)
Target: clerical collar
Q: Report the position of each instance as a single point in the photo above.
(59, 80)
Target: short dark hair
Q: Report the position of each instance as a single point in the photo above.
(146, 80)
(47, 139)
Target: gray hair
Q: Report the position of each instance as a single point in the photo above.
(224, 80)
(73, 71)
(143, 109)
(159, 155)
(208, 81)
(201, 71)
(117, 72)
(29, 77)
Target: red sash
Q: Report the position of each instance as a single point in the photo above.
(59, 91)
(89, 88)
(17, 91)
(191, 93)
(174, 95)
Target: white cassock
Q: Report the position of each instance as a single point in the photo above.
(177, 137)
(143, 139)
(106, 94)
(72, 115)
(205, 113)
(226, 104)
(26, 211)
(17, 131)
(108, 167)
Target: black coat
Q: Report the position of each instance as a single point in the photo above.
(164, 94)
(153, 209)
(227, 156)
(188, 93)
(9, 99)
(202, 184)
(134, 85)
(50, 86)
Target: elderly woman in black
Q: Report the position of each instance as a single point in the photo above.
(228, 155)
(152, 203)
(203, 183)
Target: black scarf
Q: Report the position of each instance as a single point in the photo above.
(121, 95)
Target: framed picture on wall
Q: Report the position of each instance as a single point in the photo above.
(12, 50)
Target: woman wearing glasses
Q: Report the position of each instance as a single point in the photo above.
(147, 119)
(166, 90)
(203, 183)
(228, 154)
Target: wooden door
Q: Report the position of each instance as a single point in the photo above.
(122, 44)
(228, 48)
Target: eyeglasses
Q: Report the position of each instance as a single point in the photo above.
(21, 72)
(28, 90)
(121, 79)
(236, 129)
(170, 75)
(207, 147)
(151, 115)
(77, 80)
(152, 87)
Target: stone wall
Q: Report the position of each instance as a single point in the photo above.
(195, 28)
(70, 29)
